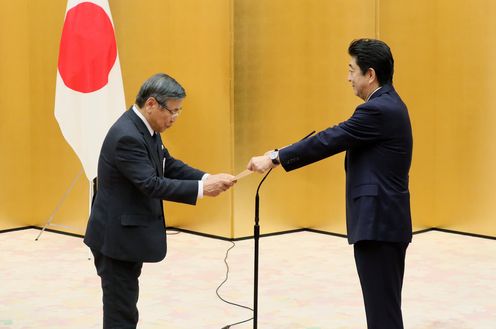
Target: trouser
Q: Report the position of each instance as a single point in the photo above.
(380, 267)
(120, 291)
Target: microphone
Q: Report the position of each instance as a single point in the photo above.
(313, 132)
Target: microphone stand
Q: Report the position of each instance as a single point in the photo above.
(256, 237)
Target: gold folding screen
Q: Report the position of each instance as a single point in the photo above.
(290, 78)
(261, 74)
(444, 52)
(15, 110)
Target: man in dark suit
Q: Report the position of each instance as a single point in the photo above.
(135, 173)
(378, 144)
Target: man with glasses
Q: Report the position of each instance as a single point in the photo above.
(135, 173)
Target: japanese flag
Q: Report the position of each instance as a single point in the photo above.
(89, 93)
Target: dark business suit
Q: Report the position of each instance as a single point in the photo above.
(126, 225)
(378, 142)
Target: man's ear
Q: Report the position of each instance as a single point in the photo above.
(149, 103)
(371, 75)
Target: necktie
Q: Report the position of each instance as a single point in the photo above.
(158, 148)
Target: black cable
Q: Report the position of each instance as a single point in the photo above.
(226, 301)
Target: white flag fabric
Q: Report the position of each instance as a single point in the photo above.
(89, 93)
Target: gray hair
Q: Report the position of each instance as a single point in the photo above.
(161, 87)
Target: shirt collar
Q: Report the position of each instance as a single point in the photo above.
(373, 93)
(138, 113)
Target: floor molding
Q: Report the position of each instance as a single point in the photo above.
(425, 230)
(218, 237)
(339, 235)
(16, 229)
(474, 235)
(40, 228)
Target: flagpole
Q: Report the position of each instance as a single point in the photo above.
(59, 204)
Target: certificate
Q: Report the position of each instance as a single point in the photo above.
(243, 174)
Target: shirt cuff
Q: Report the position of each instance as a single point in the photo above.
(200, 186)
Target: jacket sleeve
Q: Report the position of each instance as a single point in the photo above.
(363, 128)
(133, 161)
(179, 170)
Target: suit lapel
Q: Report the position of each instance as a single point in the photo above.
(151, 145)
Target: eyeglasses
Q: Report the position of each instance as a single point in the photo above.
(174, 113)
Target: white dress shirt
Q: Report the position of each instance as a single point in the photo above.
(373, 93)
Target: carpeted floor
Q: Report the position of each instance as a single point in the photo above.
(307, 281)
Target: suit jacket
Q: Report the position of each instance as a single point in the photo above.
(378, 144)
(135, 173)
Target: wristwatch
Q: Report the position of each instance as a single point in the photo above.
(274, 156)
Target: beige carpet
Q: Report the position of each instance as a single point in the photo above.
(307, 281)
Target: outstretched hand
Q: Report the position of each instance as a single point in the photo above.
(261, 163)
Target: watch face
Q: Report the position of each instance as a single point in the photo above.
(273, 156)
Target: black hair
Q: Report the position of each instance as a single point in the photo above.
(375, 54)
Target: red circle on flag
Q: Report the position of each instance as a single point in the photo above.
(87, 49)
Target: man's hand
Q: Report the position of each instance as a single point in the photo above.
(261, 163)
(214, 185)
